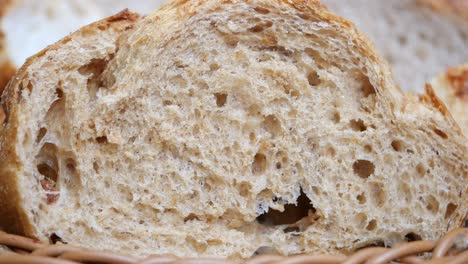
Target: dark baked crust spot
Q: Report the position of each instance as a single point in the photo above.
(123, 15)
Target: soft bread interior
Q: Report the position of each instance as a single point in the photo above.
(220, 129)
(419, 42)
(31, 25)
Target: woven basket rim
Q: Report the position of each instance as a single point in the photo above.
(27, 250)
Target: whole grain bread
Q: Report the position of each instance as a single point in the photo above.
(225, 128)
(452, 88)
(28, 26)
(420, 38)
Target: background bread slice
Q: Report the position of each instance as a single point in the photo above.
(452, 88)
(420, 38)
(30, 25)
(96, 41)
(7, 69)
(199, 126)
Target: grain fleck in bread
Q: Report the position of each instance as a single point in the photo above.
(195, 129)
(452, 88)
(420, 38)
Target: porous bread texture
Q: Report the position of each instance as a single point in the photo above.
(208, 119)
(452, 88)
(30, 25)
(420, 38)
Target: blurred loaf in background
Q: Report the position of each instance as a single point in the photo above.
(419, 38)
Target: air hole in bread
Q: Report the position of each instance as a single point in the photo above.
(421, 170)
(410, 237)
(405, 191)
(330, 151)
(40, 135)
(292, 212)
(361, 198)
(336, 117)
(214, 67)
(371, 225)
(360, 220)
(316, 190)
(252, 137)
(358, 125)
(272, 125)
(432, 204)
(313, 78)
(261, 10)
(47, 166)
(398, 145)
(167, 102)
(3, 115)
(440, 133)
(377, 193)
(259, 164)
(221, 99)
(367, 87)
(54, 239)
(318, 59)
(96, 167)
(29, 86)
(102, 140)
(451, 207)
(244, 189)
(199, 246)
(368, 148)
(56, 110)
(278, 165)
(124, 192)
(191, 217)
(260, 27)
(93, 71)
(231, 41)
(265, 250)
(363, 168)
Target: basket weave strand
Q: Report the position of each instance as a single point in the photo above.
(29, 251)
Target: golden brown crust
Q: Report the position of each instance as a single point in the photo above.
(14, 218)
(430, 98)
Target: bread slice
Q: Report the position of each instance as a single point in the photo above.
(420, 38)
(30, 25)
(452, 88)
(219, 128)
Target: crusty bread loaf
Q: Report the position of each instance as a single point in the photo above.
(30, 25)
(219, 128)
(420, 38)
(452, 88)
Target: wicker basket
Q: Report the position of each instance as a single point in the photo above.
(452, 249)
